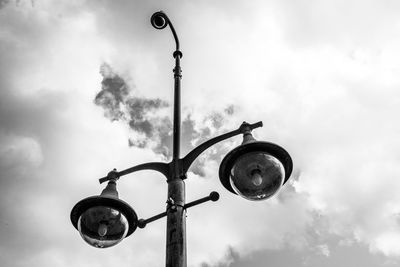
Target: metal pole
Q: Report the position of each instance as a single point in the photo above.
(176, 213)
(176, 225)
(177, 107)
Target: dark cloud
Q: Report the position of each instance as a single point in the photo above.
(230, 110)
(138, 109)
(113, 93)
(320, 248)
(151, 129)
(29, 158)
(119, 104)
(345, 255)
(3, 3)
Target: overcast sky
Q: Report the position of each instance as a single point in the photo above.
(86, 86)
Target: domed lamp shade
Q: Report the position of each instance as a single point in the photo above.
(255, 170)
(105, 220)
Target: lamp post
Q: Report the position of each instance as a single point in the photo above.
(254, 170)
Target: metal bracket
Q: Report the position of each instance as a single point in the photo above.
(214, 196)
(171, 205)
(112, 175)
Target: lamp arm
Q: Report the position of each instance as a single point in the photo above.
(162, 24)
(192, 155)
(155, 166)
(174, 34)
(214, 196)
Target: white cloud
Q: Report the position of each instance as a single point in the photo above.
(387, 243)
(324, 250)
(323, 76)
(19, 151)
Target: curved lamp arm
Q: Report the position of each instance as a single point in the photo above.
(156, 166)
(192, 155)
(160, 20)
(187, 161)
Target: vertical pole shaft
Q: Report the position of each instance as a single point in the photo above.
(177, 108)
(176, 214)
(176, 225)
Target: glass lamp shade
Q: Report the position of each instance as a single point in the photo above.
(102, 226)
(103, 221)
(255, 170)
(257, 176)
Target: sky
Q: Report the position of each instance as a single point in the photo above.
(87, 86)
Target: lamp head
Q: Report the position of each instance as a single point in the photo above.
(104, 220)
(159, 20)
(255, 170)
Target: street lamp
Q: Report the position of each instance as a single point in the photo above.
(254, 170)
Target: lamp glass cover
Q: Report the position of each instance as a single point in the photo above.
(102, 226)
(257, 175)
(159, 21)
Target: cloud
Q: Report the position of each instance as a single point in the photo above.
(3, 3)
(323, 77)
(112, 94)
(324, 250)
(16, 150)
(152, 129)
(346, 256)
